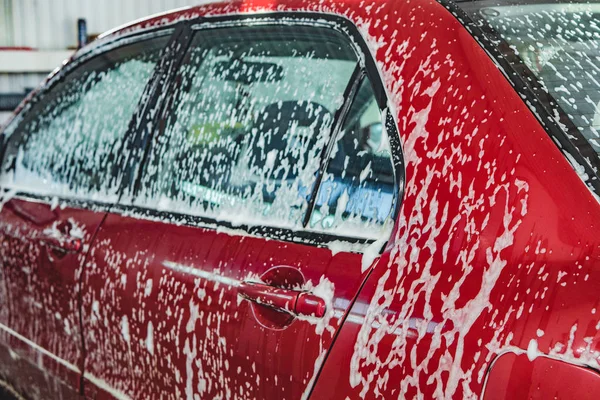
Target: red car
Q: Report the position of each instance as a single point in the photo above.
(284, 199)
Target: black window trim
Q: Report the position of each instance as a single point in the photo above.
(367, 68)
(531, 91)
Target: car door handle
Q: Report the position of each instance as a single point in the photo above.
(295, 302)
(63, 243)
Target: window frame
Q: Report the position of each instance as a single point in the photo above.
(79, 59)
(576, 150)
(366, 69)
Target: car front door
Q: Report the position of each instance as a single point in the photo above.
(267, 192)
(59, 176)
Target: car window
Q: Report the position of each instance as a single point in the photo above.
(559, 42)
(69, 141)
(358, 192)
(254, 108)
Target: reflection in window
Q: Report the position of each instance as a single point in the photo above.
(253, 111)
(68, 142)
(357, 195)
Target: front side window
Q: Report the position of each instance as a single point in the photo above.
(69, 141)
(253, 110)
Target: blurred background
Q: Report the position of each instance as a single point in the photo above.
(37, 35)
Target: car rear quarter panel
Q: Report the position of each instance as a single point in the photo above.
(496, 247)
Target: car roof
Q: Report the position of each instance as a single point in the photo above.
(345, 8)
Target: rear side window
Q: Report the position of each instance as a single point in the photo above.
(560, 45)
(69, 141)
(254, 110)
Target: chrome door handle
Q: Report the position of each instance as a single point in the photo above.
(295, 302)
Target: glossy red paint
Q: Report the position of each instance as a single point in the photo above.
(295, 302)
(41, 351)
(516, 377)
(162, 313)
(496, 245)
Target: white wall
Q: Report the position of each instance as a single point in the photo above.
(3, 118)
(17, 83)
(52, 24)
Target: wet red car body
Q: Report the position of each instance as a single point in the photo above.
(488, 283)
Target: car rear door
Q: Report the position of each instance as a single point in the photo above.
(268, 190)
(61, 171)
